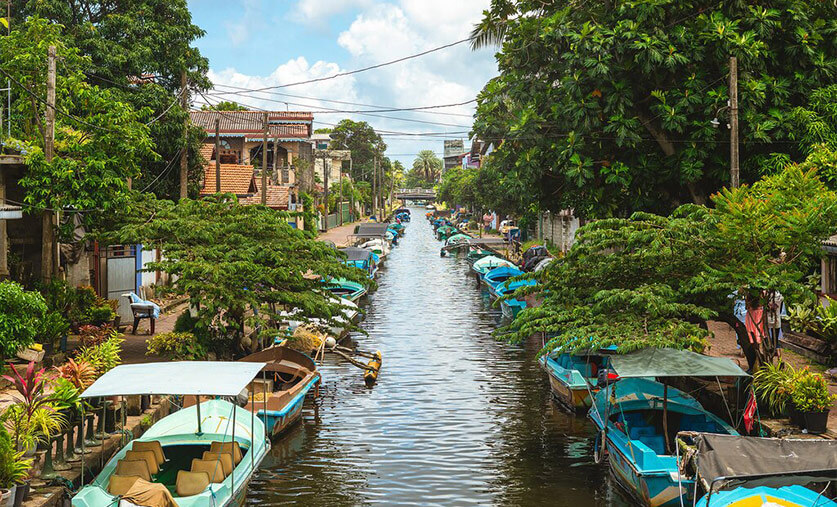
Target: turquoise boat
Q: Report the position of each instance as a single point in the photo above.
(638, 421)
(496, 277)
(203, 455)
(476, 254)
(486, 264)
(346, 289)
(573, 376)
(737, 471)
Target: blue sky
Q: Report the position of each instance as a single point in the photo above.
(258, 43)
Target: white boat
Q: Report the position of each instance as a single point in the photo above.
(204, 455)
(351, 312)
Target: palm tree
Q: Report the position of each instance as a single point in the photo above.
(492, 29)
(428, 164)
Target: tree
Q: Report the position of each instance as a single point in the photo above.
(365, 144)
(100, 141)
(652, 280)
(224, 105)
(240, 266)
(428, 165)
(138, 49)
(606, 109)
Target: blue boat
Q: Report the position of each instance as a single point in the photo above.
(289, 376)
(362, 259)
(512, 306)
(737, 471)
(639, 419)
(573, 376)
(497, 276)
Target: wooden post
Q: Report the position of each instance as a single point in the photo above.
(264, 163)
(733, 121)
(4, 247)
(325, 190)
(275, 169)
(218, 154)
(374, 187)
(352, 194)
(184, 157)
(48, 233)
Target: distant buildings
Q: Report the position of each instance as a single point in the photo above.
(454, 150)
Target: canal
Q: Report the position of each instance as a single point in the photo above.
(456, 418)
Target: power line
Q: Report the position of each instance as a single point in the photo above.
(364, 69)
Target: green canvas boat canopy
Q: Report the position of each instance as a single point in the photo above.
(205, 378)
(673, 363)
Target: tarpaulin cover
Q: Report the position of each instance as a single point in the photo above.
(796, 461)
(211, 378)
(371, 230)
(674, 363)
(149, 494)
(356, 254)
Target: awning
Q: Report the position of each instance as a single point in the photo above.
(673, 363)
(772, 462)
(371, 230)
(356, 254)
(209, 378)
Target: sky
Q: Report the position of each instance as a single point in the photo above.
(259, 43)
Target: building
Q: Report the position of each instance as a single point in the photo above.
(241, 136)
(454, 150)
(333, 159)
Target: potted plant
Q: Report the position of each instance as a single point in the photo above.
(813, 401)
(32, 418)
(774, 384)
(14, 468)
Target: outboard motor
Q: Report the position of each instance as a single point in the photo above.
(606, 377)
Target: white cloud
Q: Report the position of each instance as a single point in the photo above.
(250, 22)
(384, 31)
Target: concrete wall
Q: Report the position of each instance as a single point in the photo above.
(558, 228)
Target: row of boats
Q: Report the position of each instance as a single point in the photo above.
(661, 444)
(205, 453)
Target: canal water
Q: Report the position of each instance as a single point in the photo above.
(456, 418)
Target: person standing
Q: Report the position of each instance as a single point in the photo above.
(775, 300)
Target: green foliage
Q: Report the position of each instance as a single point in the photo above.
(653, 281)
(802, 318)
(53, 327)
(176, 346)
(427, 168)
(231, 260)
(224, 105)
(14, 468)
(21, 312)
(363, 141)
(810, 393)
(827, 320)
(65, 395)
(606, 108)
(104, 356)
(774, 384)
(458, 186)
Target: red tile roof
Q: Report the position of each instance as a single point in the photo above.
(206, 151)
(236, 179)
(283, 124)
(277, 197)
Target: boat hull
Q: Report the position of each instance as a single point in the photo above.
(790, 496)
(573, 396)
(654, 490)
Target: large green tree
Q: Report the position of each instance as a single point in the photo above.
(605, 107)
(240, 266)
(427, 167)
(365, 144)
(651, 280)
(138, 49)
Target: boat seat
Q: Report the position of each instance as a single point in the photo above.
(149, 458)
(137, 467)
(224, 457)
(212, 467)
(191, 483)
(641, 431)
(118, 485)
(654, 442)
(150, 445)
(228, 447)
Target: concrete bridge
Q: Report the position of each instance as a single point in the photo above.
(425, 194)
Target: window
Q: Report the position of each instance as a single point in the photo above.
(225, 145)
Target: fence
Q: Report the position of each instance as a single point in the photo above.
(333, 220)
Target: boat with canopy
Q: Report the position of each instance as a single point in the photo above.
(486, 264)
(499, 275)
(203, 455)
(638, 419)
(346, 289)
(362, 259)
(573, 376)
(736, 471)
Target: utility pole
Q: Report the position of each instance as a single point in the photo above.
(326, 170)
(184, 157)
(218, 154)
(48, 243)
(264, 163)
(352, 194)
(340, 200)
(733, 122)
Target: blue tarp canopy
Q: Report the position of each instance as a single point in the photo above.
(673, 363)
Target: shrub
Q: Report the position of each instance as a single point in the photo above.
(810, 394)
(80, 374)
(20, 314)
(99, 315)
(176, 346)
(185, 323)
(774, 384)
(13, 466)
(104, 356)
(53, 327)
(91, 335)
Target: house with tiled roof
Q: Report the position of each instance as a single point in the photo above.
(241, 136)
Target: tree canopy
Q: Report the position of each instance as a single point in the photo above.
(605, 108)
(426, 170)
(239, 265)
(651, 280)
(365, 144)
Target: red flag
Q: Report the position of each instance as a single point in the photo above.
(750, 413)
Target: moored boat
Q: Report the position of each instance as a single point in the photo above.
(486, 264)
(512, 306)
(288, 376)
(203, 455)
(362, 259)
(346, 289)
(499, 275)
(573, 376)
(639, 418)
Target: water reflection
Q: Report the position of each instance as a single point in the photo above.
(456, 418)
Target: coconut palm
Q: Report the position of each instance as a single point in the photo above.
(428, 164)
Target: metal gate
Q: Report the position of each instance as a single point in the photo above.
(120, 270)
